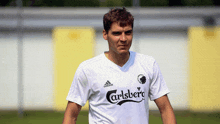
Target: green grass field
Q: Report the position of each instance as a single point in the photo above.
(50, 117)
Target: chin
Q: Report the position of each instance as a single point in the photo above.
(123, 52)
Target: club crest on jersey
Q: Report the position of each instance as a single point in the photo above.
(125, 96)
(141, 79)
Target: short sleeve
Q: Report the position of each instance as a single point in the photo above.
(80, 89)
(158, 85)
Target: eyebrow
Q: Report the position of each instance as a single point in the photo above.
(129, 30)
(122, 31)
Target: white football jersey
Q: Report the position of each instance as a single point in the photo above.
(118, 95)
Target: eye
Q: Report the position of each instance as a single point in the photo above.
(128, 32)
(116, 33)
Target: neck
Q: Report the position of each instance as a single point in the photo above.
(119, 59)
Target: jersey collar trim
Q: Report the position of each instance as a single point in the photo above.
(126, 66)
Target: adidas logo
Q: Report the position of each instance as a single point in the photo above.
(107, 84)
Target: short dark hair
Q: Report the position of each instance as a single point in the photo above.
(121, 16)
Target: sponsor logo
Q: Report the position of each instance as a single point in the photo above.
(125, 96)
(141, 79)
(107, 84)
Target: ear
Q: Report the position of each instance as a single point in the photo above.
(105, 34)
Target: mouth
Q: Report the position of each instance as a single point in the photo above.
(123, 45)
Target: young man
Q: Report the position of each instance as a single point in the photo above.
(118, 82)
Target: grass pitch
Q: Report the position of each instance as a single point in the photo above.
(51, 117)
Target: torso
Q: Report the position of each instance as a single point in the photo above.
(119, 91)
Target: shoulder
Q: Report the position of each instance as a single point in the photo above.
(142, 58)
(145, 61)
(91, 63)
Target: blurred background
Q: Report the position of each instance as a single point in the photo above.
(42, 43)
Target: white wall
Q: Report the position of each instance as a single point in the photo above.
(8, 71)
(37, 70)
(168, 48)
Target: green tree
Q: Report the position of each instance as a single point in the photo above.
(198, 2)
(144, 3)
(43, 3)
(109, 3)
(5, 2)
(176, 3)
(81, 3)
(216, 2)
(61, 3)
(127, 2)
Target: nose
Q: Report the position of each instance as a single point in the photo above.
(123, 37)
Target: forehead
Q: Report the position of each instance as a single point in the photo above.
(116, 27)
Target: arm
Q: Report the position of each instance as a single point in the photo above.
(166, 110)
(71, 113)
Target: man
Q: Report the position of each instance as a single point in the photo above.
(118, 82)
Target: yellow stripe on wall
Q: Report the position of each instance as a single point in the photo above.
(204, 47)
(72, 45)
